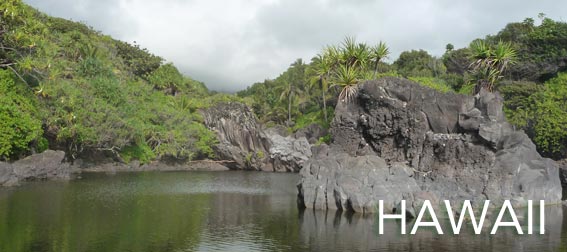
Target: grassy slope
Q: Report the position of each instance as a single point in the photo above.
(66, 86)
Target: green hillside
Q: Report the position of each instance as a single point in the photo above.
(66, 86)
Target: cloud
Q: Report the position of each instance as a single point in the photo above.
(109, 16)
(230, 44)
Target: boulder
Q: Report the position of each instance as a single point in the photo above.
(42, 166)
(288, 153)
(399, 140)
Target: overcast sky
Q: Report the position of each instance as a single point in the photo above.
(231, 44)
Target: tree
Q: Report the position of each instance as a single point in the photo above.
(418, 63)
(321, 68)
(346, 78)
(353, 61)
(541, 49)
(354, 54)
(449, 47)
(489, 63)
(377, 53)
(294, 82)
(288, 92)
(457, 61)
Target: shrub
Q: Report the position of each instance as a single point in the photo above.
(434, 83)
(518, 101)
(19, 124)
(166, 76)
(139, 61)
(550, 117)
(141, 152)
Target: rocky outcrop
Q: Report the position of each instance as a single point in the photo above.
(241, 138)
(46, 165)
(250, 147)
(312, 133)
(288, 154)
(401, 141)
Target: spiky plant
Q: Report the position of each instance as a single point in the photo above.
(346, 78)
(489, 63)
(378, 53)
(503, 55)
(354, 54)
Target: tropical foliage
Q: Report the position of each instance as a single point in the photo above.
(331, 76)
(489, 63)
(19, 118)
(66, 86)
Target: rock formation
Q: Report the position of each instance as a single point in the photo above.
(46, 165)
(244, 141)
(312, 133)
(288, 154)
(241, 138)
(401, 141)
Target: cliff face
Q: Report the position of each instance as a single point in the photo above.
(243, 141)
(399, 140)
(240, 137)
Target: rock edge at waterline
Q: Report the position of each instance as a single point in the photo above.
(401, 141)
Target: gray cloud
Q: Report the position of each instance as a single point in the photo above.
(233, 43)
(108, 16)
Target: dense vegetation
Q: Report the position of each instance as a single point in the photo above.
(65, 86)
(306, 93)
(524, 62)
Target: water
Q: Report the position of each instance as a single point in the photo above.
(216, 211)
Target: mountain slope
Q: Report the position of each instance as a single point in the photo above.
(65, 86)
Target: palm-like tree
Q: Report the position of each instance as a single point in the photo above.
(504, 55)
(354, 54)
(489, 63)
(321, 69)
(333, 55)
(276, 114)
(289, 92)
(377, 53)
(345, 65)
(346, 78)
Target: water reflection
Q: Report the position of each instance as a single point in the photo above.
(214, 211)
(336, 231)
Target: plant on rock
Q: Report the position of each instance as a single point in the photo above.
(489, 63)
(347, 79)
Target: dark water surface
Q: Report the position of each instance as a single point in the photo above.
(216, 211)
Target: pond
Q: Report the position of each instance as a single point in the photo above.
(216, 211)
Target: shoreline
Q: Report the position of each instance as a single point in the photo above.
(201, 165)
